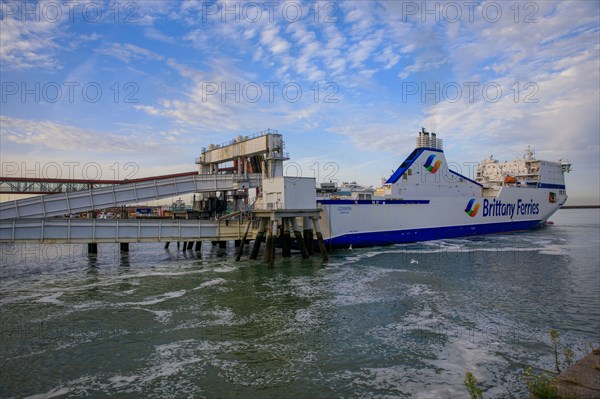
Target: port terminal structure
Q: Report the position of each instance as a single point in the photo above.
(226, 175)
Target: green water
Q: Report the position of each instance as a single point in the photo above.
(396, 321)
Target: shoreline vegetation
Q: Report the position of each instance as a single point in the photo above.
(568, 380)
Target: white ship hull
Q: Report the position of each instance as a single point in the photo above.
(426, 200)
(381, 222)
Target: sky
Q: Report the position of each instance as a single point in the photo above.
(124, 89)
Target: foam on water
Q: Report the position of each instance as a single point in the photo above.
(210, 283)
(53, 299)
(153, 300)
(53, 393)
(369, 323)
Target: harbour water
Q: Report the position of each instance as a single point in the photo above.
(391, 322)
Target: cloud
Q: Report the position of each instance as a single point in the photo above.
(155, 34)
(129, 53)
(270, 38)
(52, 135)
(26, 45)
(224, 98)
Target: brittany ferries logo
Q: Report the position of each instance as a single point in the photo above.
(470, 210)
(497, 207)
(428, 164)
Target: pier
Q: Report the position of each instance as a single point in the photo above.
(280, 202)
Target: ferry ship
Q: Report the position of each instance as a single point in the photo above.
(424, 199)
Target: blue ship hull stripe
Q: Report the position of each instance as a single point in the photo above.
(368, 239)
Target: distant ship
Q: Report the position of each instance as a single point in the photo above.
(426, 200)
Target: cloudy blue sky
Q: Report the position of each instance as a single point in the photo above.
(348, 83)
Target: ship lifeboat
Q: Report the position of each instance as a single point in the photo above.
(510, 180)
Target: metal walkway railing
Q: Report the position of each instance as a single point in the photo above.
(68, 231)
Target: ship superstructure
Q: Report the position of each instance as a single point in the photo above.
(425, 199)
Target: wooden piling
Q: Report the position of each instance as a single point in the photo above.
(243, 241)
(271, 248)
(308, 235)
(320, 241)
(287, 250)
(259, 237)
(124, 247)
(190, 245)
(298, 235)
(178, 243)
(267, 253)
(167, 245)
(198, 247)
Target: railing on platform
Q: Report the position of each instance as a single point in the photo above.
(131, 193)
(68, 231)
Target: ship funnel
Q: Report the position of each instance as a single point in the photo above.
(427, 140)
(423, 139)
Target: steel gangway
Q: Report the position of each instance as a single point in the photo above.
(60, 204)
(72, 231)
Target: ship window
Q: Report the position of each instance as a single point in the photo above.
(410, 158)
(412, 154)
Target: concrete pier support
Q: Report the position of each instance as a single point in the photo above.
(124, 246)
(299, 238)
(190, 245)
(198, 247)
(308, 235)
(167, 245)
(178, 244)
(243, 241)
(222, 244)
(92, 248)
(285, 234)
(259, 237)
(184, 247)
(320, 241)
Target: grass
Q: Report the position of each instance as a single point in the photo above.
(541, 385)
(471, 384)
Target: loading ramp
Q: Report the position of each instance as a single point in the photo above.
(45, 206)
